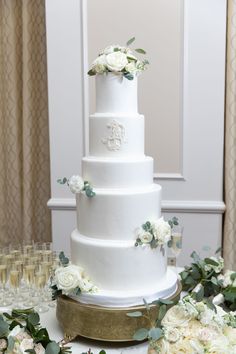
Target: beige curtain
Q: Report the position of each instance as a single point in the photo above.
(230, 142)
(24, 145)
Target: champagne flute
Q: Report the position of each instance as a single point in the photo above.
(176, 242)
(29, 276)
(5, 301)
(40, 281)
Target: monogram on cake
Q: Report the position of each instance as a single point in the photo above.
(121, 240)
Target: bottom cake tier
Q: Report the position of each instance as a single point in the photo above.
(123, 273)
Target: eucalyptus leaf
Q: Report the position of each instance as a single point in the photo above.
(195, 257)
(91, 72)
(34, 318)
(141, 334)
(200, 294)
(102, 352)
(140, 51)
(4, 327)
(130, 41)
(218, 250)
(155, 333)
(134, 314)
(129, 76)
(52, 348)
(211, 262)
(233, 276)
(162, 312)
(166, 301)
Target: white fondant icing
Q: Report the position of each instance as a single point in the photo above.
(132, 144)
(116, 136)
(126, 298)
(118, 173)
(117, 213)
(119, 265)
(116, 94)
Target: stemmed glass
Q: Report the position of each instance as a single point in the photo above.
(5, 300)
(176, 242)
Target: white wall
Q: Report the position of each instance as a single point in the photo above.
(194, 192)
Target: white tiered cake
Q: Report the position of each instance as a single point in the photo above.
(126, 197)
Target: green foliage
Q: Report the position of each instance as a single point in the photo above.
(63, 259)
(130, 41)
(155, 333)
(129, 76)
(30, 321)
(173, 222)
(88, 190)
(62, 180)
(141, 334)
(91, 72)
(140, 51)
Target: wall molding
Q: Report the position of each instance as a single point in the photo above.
(178, 206)
(169, 176)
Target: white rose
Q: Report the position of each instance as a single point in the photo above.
(218, 299)
(161, 231)
(206, 334)
(176, 317)
(206, 316)
(39, 349)
(85, 285)
(116, 61)
(76, 184)
(99, 64)
(26, 344)
(131, 67)
(230, 333)
(145, 236)
(197, 347)
(68, 278)
(172, 334)
(219, 345)
(3, 344)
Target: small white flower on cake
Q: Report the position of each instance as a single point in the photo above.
(116, 61)
(76, 184)
(161, 231)
(172, 334)
(145, 236)
(99, 64)
(68, 278)
(131, 67)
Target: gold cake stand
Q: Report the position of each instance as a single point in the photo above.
(103, 323)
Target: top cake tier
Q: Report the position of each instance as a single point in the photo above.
(116, 94)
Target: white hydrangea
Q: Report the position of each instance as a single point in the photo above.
(76, 184)
(161, 231)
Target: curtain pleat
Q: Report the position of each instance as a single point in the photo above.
(229, 244)
(24, 137)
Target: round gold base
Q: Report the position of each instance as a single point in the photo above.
(102, 323)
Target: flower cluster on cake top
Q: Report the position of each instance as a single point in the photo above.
(119, 60)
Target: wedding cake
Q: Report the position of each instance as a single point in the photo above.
(120, 241)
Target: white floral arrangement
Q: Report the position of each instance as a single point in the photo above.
(70, 279)
(119, 60)
(154, 233)
(78, 185)
(192, 327)
(20, 332)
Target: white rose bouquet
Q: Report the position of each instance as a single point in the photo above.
(20, 332)
(189, 327)
(119, 60)
(155, 233)
(69, 279)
